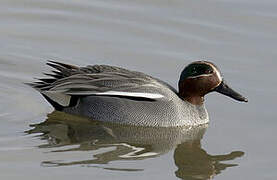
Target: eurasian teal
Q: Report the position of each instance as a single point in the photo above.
(113, 94)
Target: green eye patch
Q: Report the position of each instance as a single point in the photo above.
(196, 70)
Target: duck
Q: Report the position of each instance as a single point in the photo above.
(117, 95)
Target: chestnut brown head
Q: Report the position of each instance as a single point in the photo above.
(201, 77)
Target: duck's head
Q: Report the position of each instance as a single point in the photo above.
(201, 77)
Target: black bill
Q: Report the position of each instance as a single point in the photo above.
(223, 88)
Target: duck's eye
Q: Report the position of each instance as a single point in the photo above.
(209, 71)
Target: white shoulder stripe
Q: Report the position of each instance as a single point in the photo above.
(64, 99)
(131, 94)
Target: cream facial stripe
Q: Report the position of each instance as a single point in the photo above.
(201, 75)
(206, 75)
(215, 69)
(217, 72)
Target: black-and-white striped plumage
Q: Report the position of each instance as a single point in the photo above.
(101, 80)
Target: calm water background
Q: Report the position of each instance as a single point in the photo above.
(158, 37)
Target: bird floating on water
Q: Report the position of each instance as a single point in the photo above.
(113, 94)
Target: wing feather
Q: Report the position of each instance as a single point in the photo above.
(102, 80)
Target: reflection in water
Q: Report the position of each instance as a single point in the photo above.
(71, 133)
(195, 163)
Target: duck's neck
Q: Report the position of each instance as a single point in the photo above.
(193, 99)
(190, 92)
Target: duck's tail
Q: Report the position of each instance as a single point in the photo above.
(61, 70)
